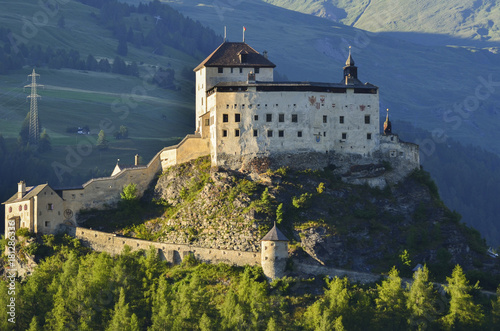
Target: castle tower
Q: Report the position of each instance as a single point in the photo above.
(350, 71)
(274, 252)
(230, 62)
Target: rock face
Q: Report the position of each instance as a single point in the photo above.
(335, 223)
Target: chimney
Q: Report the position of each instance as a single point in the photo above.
(21, 189)
(265, 54)
(136, 159)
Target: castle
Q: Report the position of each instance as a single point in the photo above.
(243, 118)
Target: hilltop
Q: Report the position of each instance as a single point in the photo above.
(329, 222)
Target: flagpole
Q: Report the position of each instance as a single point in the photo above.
(244, 34)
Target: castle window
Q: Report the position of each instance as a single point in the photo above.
(50, 206)
(73, 196)
(207, 122)
(255, 132)
(269, 117)
(227, 106)
(369, 136)
(250, 106)
(281, 117)
(325, 119)
(241, 70)
(344, 135)
(224, 133)
(220, 70)
(367, 119)
(25, 207)
(40, 213)
(295, 105)
(20, 207)
(243, 106)
(276, 105)
(255, 117)
(295, 118)
(237, 117)
(258, 105)
(281, 133)
(235, 105)
(236, 133)
(269, 133)
(257, 70)
(225, 118)
(324, 134)
(47, 224)
(232, 70)
(341, 119)
(265, 105)
(202, 101)
(10, 209)
(299, 134)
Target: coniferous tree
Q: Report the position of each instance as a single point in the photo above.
(120, 320)
(44, 144)
(390, 302)
(420, 299)
(463, 311)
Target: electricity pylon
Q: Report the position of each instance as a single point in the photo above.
(34, 132)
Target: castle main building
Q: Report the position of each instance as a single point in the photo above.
(246, 114)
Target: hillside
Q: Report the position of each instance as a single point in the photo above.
(328, 222)
(431, 22)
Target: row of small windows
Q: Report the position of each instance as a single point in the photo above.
(277, 105)
(281, 118)
(220, 70)
(281, 134)
(49, 207)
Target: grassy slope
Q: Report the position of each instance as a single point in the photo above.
(418, 83)
(467, 19)
(76, 98)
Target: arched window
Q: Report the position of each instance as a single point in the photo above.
(10, 209)
(20, 207)
(26, 206)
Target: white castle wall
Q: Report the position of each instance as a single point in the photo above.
(325, 122)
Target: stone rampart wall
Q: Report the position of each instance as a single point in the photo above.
(173, 253)
(190, 148)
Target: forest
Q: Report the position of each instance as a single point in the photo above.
(73, 288)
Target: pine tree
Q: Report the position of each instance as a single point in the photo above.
(121, 315)
(463, 311)
(420, 299)
(390, 302)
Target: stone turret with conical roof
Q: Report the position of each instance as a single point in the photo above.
(274, 253)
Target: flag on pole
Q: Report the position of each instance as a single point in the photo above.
(244, 29)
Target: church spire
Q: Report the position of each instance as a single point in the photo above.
(387, 125)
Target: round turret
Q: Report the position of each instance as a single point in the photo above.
(274, 253)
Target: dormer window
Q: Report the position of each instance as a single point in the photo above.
(243, 56)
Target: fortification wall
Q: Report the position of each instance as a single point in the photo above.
(190, 148)
(173, 253)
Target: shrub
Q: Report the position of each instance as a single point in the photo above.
(304, 201)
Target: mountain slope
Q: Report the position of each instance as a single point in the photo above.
(465, 19)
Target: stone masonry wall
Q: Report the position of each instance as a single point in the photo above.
(173, 253)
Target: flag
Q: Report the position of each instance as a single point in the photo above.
(244, 29)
